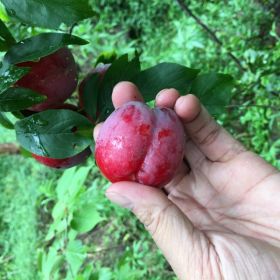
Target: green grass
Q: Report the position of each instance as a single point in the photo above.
(18, 216)
(19, 188)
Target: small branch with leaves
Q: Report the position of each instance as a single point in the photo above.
(211, 33)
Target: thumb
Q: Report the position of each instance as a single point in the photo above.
(170, 229)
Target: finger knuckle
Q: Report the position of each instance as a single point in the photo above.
(153, 218)
(211, 136)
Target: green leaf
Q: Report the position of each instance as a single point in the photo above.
(75, 255)
(9, 74)
(25, 153)
(51, 263)
(5, 122)
(33, 48)
(86, 218)
(120, 70)
(103, 273)
(214, 91)
(106, 58)
(56, 227)
(15, 99)
(18, 114)
(3, 13)
(71, 183)
(90, 95)
(6, 37)
(58, 211)
(3, 45)
(50, 13)
(54, 133)
(164, 75)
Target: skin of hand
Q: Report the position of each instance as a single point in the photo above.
(219, 218)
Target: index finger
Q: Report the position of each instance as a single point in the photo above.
(123, 92)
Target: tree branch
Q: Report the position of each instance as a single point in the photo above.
(9, 148)
(243, 106)
(212, 34)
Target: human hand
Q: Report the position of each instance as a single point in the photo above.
(219, 218)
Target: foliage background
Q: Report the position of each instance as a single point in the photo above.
(118, 246)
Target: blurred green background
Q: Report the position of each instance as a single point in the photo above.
(36, 239)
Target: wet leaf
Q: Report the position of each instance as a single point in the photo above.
(15, 99)
(9, 74)
(31, 49)
(50, 13)
(164, 75)
(50, 133)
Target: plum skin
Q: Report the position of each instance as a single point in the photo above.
(65, 162)
(54, 76)
(140, 144)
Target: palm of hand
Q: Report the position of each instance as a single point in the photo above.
(220, 219)
(233, 235)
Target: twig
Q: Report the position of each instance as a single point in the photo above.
(9, 148)
(252, 105)
(212, 34)
(72, 28)
(104, 249)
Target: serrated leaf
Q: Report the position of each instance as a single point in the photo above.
(214, 90)
(164, 75)
(103, 273)
(75, 255)
(49, 14)
(9, 74)
(51, 262)
(54, 133)
(71, 183)
(6, 38)
(120, 70)
(15, 99)
(58, 211)
(86, 218)
(5, 122)
(31, 49)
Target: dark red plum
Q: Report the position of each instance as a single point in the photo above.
(54, 76)
(63, 163)
(140, 144)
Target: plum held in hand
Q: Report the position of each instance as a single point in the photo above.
(140, 144)
(54, 76)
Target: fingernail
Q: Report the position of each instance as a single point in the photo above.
(119, 199)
